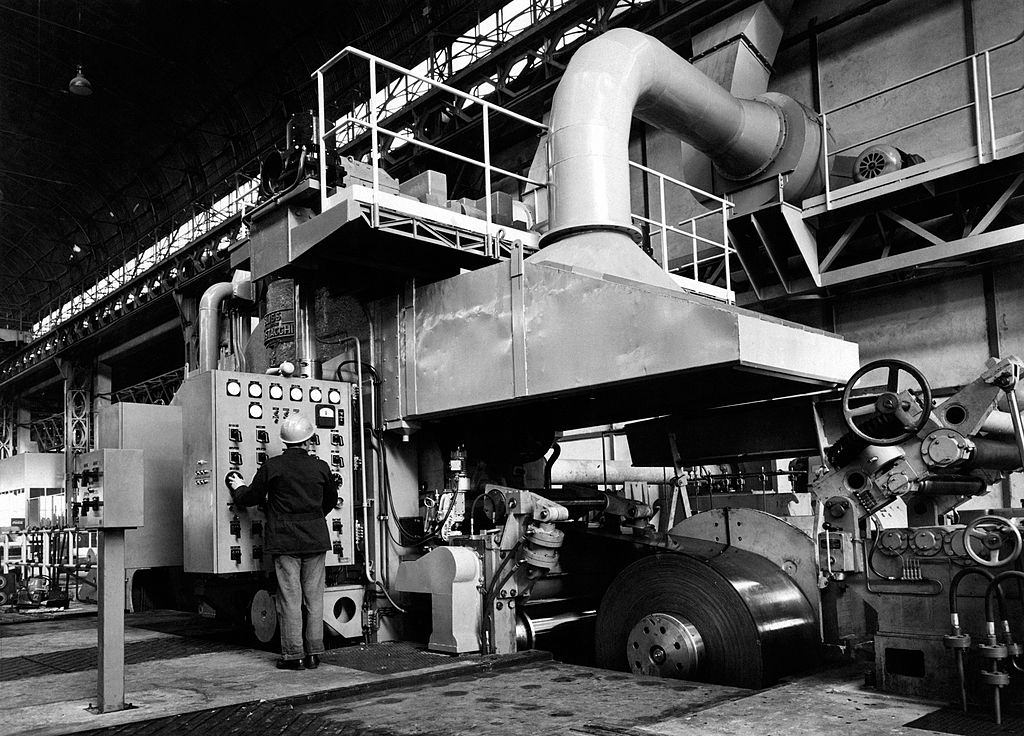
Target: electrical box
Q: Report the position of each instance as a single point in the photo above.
(231, 422)
(107, 489)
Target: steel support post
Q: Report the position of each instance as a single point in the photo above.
(8, 427)
(111, 622)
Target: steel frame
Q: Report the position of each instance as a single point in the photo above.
(207, 254)
(8, 427)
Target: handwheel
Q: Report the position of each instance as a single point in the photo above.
(885, 405)
(992, 533)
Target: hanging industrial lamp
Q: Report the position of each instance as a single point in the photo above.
(79, 85)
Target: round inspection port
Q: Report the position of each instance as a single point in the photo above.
(344, 609)
(955, 414)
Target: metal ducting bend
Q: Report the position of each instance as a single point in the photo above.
(209, 324)
(624, 73)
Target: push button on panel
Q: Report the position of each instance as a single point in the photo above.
(235, 434)
(235, 457)
(262, 436)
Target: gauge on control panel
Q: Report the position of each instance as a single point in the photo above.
(295, 393)
(316, 395)
(234, 388)
(255, 411)
(276, 391)
(334, 396)
(255, 389)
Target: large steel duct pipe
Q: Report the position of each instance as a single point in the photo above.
(624, 73)
(209, 324)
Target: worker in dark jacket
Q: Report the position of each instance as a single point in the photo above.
(298, 491)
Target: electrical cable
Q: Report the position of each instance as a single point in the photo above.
(390, 599)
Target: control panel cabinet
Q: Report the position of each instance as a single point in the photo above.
(107, 492)
(232, 422)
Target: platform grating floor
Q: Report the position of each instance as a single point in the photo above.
(79, 660)
(955, 721)
(385, 659)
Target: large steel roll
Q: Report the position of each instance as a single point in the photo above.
(735, 619)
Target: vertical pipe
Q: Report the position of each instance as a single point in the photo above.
(308, 363)
(490, 250)
(693, 242)
(824, 162)
(321, 109)
(374, 144)
(977, 107)
(368, 568)
(988, 98)
(645, 228)
(725, 245)
(664, 220)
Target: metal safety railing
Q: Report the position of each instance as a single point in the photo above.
(981, 104)
(720, 251)
(379, 133)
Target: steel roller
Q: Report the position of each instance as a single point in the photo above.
(735, 619)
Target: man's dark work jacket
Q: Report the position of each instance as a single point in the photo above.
(297, 491)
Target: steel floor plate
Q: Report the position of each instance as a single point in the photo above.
(974, 723)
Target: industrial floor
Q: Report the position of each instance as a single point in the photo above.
(186, 674)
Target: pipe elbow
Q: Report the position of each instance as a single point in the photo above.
(213, 296)
(209, 323)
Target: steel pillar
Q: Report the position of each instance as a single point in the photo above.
(8, 427)
(111, 622)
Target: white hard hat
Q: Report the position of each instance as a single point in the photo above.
(296, 429)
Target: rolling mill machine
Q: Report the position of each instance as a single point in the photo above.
(439, 376)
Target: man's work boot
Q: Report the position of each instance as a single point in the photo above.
(312, 661)
(289, 664)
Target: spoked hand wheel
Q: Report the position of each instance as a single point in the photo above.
(868, 415)
(992, 541)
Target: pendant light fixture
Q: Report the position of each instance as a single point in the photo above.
(79, 85)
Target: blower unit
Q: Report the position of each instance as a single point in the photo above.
(882, 159)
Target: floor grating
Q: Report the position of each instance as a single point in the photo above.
(79, 660)
(250, 719)
(975, 723)
(386, 658)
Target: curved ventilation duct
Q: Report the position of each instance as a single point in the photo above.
(624, 73)
(209, 324)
